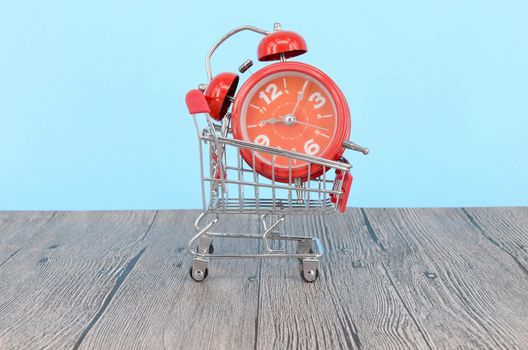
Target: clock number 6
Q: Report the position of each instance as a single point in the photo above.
(274, 92)
(311, 148)
(318, 98)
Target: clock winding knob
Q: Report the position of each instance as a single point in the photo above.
(245, 66)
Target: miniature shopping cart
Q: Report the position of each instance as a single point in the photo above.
(231, 186)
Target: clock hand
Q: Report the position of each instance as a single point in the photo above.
(289, 122)
(311, 125)
(269, 121)
(280, 119)
(300, 97)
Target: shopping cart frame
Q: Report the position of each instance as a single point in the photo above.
(222, 194)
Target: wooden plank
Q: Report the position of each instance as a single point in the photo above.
(460, 288)
(351, 305)
(17, 230)
(161, 307)
(506, 228)
(66, 276)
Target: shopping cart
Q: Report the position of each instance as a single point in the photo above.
(231, 186)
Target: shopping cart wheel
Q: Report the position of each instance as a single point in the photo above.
(199, 270)
(309, 270)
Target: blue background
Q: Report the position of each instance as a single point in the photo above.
(92, 97)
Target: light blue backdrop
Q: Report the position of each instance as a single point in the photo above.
(92, 97)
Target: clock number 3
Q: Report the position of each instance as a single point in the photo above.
(273, 91)
(318, 99)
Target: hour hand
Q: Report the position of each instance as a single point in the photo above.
(274, 120)
(269, 121)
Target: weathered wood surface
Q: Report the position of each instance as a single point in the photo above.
(391, 278)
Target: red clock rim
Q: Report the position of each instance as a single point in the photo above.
(334, 151)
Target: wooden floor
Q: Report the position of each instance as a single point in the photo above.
(391, 278)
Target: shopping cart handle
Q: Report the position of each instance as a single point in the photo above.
(355, 147)
(196, 102)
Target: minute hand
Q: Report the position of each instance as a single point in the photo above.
(301, 95)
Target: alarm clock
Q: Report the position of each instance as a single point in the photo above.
(286, 105)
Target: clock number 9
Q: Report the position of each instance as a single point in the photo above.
(318, 98)
(262, 140)
(311, 148)
(274, 92)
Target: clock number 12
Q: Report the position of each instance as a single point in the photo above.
(273, 91)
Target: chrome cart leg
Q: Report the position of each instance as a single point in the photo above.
(304, 246)
(309, 269)
(269, 232)
(201, 237)
(204, 248)
(205, 245)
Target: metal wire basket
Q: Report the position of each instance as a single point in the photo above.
(238, 188)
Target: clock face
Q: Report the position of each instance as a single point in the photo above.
(291, 111)
(290, 106)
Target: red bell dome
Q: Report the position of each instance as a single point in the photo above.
(280, 42)
(219, 93)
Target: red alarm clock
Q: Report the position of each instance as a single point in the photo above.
(287, 105)
(295, 107)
